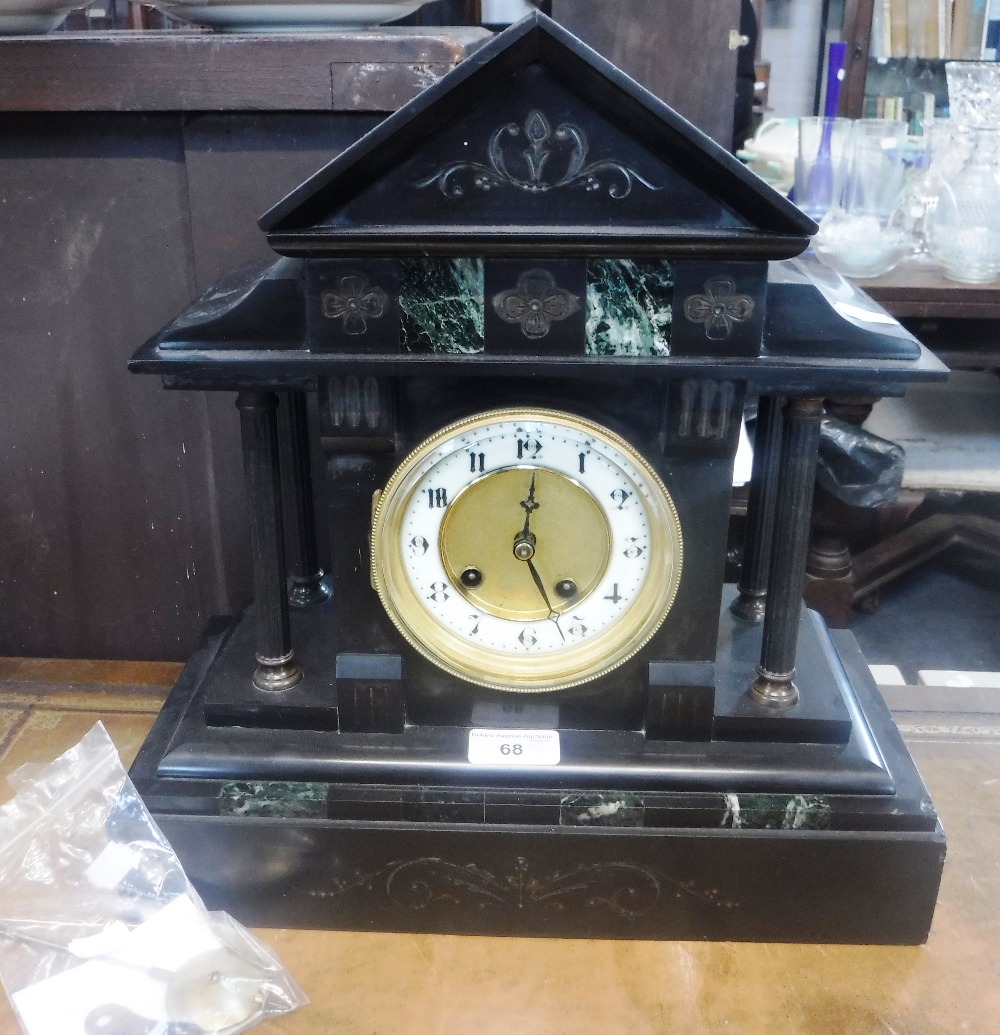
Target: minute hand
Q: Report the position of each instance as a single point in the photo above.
(545, 596)
(524, 550)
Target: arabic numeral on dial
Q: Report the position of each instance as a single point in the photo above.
(436, 498)
(614, 596)
(528, 448)
(439, 592)
(474, 631)
(577, 629)
(620, 496)
(419, 545)
(528, 638)
(635, 550)
(477, 462)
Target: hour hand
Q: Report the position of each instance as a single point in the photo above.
(529, 503)
(524, 541)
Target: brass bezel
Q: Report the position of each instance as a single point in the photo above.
(533, 673)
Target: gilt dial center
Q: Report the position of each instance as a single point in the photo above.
(501, 527)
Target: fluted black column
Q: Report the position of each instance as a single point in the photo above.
(306, 584)
(276, 668)
(761, 503)
(774, 685)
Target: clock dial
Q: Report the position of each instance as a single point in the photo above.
(526, 550)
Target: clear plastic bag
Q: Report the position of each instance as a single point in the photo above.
(101, 933)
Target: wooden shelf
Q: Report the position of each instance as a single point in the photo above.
(909, 292)
(374, 70)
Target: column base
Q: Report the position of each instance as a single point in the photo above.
(774, 689)
(306, 592)
(278, 674)
(750, 607)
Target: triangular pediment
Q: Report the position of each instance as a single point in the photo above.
(536, 144)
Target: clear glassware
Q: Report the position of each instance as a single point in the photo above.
(821, 164)
(856, 236)
(944, 151)
(964, 227)
(974, 93)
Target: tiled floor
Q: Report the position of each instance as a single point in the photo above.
(363, 984)
(946, 612)
(47, 702)
(943, 615)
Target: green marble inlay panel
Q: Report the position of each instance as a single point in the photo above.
(776, 812)
(273, 798)
(601, 809)
(629, 307)
(441, 301)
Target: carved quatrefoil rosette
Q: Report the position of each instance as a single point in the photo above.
(355, 301)
(718, 308)
(535, 303)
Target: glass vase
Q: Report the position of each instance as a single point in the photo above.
(974, 93)
(964, 228)
(942, 156)
(856, 237)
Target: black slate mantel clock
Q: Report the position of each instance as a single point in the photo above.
(527, 312)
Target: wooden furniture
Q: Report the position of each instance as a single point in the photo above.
(129, 160)
(371, 71)
(857, 33)
(961, 324)
(680, 51)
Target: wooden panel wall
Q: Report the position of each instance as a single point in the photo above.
(122, 525)
(678, 49)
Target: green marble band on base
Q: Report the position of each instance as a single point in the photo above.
(776, 812)
(601, 809)
(273, 798)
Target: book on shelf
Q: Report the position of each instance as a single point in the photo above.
(910, 89)
(991, 33)
(939, 29)
(899, 39)
(945, 13)
(968, 29)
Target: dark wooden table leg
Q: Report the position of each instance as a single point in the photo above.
(276, 667)
(774, 685)
(829, 579)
